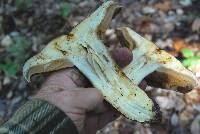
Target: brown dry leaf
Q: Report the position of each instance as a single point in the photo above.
(186, 115)
(179, 44)
(144, 24)
(164, 6)
(193, 97)
(196, 25)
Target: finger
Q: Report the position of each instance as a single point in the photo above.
(90, 99)
(94, 122)
(107, 117)
(122, 56)
(85, 98)
(61, 79)
(66, 79)
(102, 107)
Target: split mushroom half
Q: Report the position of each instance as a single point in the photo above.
(164, 69)
(83, 48)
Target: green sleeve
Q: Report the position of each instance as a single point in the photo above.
(38, 117)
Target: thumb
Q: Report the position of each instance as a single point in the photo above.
(77, 100)
(84, 99)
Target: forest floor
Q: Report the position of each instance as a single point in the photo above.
(26, 26)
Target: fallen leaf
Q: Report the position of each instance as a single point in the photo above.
(187, 114)
(144, 25)
(187, 52)
(179, 44)
(164, 6)
(196, 25)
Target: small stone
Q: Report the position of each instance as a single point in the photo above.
(196, 25)
(30, 21)
(185, 2)
(22, 84)
(14, 33)
(9, 95)
(195, 126)
(154, 28)
(131, 18)
(179, 11)
(6, 80)
(194, 37)
(148, 10)
(168, 27)
(174, 119)
(36, 41)
(180, 130)
(163, 44)
(171, 13)
(16, 100)
(180, 104)
(165, 102)
(197, 107)
(6, 41)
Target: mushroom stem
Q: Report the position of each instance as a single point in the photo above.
(140, 67)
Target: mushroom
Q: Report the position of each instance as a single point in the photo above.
(164, 69)
(83, 48)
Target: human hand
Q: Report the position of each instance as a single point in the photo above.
(85, 106)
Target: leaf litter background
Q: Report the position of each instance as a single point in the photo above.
(26, 26)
